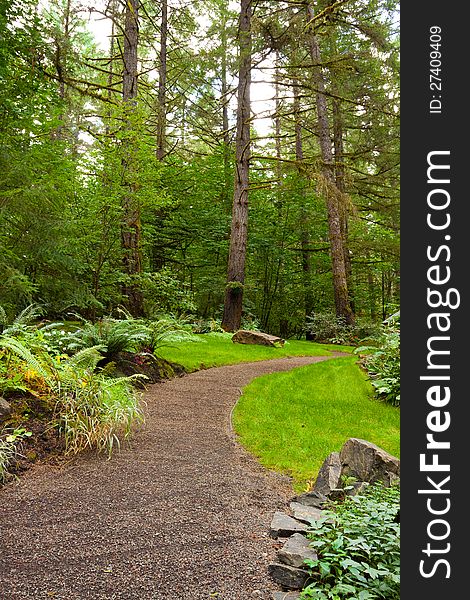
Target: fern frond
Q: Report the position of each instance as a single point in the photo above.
(87, 358)
(23, 352)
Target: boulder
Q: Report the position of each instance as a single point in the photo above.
(329, 475)
(367, 462)
(296, 551)
(287, 577)
(306, 514)
(5, 409)
(256, 337)
(284, 526)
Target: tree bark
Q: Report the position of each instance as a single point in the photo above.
(340, 178)
(131, 225)
(162, 75)
(330, 189)
(304, 229)
(225, 122)
(239, 231)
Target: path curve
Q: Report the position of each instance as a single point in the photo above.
(181, 515)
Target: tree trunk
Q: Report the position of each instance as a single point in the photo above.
(131, 225)
(239, 231)
(304, 227)
(225, 122)
(340, 178)
(331, 192)
(162, 73)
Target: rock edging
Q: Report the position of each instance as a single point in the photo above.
(358, 464)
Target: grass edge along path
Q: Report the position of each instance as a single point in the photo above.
(291, 421)
(216, 350)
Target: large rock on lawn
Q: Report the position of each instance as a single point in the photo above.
(329, 475)
(256, 337)
(367, 462)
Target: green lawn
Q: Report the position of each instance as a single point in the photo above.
(217, 349)
(291, 421)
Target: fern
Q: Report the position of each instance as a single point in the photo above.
(23, 321)
(23, 352)
(87, 358)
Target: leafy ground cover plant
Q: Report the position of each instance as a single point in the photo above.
(382, 361)
(358, 547)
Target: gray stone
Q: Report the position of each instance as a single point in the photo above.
(5, 409)
(307, 514)
(285, 596)
(295, 551)
(311, 498)
(284, 526)
(256, 337)
(329, 474)
(367, 462)
(287, 577)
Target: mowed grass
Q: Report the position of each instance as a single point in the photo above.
(291, 421)
(217, 349)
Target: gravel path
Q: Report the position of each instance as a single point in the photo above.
(183, 514)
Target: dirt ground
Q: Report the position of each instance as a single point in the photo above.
(183, 513)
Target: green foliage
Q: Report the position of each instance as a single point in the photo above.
(165, 293)
(112, 336)
(358, 547)
(382, 362)
(94, 411)
(10, 448)
(327, 327)
(24, 322)
(88, 408)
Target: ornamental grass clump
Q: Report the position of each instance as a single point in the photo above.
(88, 408)
(94, 411)
(358, 547)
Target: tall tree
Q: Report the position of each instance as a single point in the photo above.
(131, 223)
(162, 77)
(239, 232)
(330, 189)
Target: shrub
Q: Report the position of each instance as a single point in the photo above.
(111, 336)
(89, 408)
(358, 547)
(327, 327)
(382, 362)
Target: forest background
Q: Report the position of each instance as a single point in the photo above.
(137, 171)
